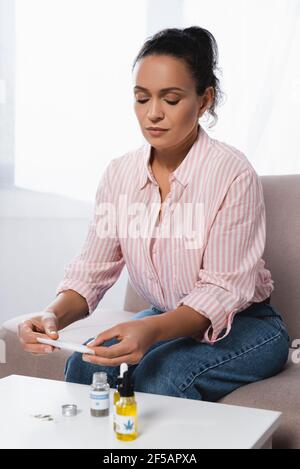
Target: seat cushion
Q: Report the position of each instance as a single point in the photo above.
(280, 393)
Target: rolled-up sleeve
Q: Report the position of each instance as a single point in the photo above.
(231, 258)
(99, 263)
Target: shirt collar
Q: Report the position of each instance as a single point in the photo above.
(183, 173)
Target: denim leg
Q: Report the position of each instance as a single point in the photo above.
(78, 371)
(256, 348)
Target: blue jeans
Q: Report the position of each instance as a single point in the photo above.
(256, 348)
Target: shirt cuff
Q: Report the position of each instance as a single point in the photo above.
(208, 305)
(81, 288)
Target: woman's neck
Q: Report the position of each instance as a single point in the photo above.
(169, 159)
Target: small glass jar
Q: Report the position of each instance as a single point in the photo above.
(99, 395)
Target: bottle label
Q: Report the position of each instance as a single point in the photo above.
(99, 400)
(125, 424)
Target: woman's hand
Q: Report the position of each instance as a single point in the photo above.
(136, 337)
(45, 325)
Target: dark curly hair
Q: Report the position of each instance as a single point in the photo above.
(199, 50)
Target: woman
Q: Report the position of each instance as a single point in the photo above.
(211, 327)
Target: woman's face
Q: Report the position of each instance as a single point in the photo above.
(177, 110)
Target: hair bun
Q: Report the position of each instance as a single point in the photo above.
(201, 35)
(195, 32)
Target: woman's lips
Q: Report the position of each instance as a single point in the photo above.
(156, 133)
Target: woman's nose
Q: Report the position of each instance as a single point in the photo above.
(155, 110)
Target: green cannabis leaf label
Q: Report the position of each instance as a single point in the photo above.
(128, 425)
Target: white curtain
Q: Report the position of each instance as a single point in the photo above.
(74, 98)
(259, 43)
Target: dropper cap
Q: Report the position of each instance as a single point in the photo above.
(126, 389)
(123, 368)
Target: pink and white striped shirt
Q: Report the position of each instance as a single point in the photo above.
(219, 274)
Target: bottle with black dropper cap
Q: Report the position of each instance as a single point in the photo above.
(126, 411)
(116, 396)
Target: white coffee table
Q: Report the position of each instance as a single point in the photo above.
(163, 422)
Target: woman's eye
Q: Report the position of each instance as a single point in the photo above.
(172, 102)
(169, 102)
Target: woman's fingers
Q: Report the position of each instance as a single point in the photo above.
(134, 341)
(129, 359)
(50, 324)
(26, 332)
(28, 338)
(103, 336)
(115, 354)
(112, 355)
(113, 351)
(38, 348)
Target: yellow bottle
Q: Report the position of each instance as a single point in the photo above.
(126, 411)
(116, 395)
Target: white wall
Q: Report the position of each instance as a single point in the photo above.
(7, 87)
(39, 234)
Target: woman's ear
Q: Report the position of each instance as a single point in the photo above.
(206, 100)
